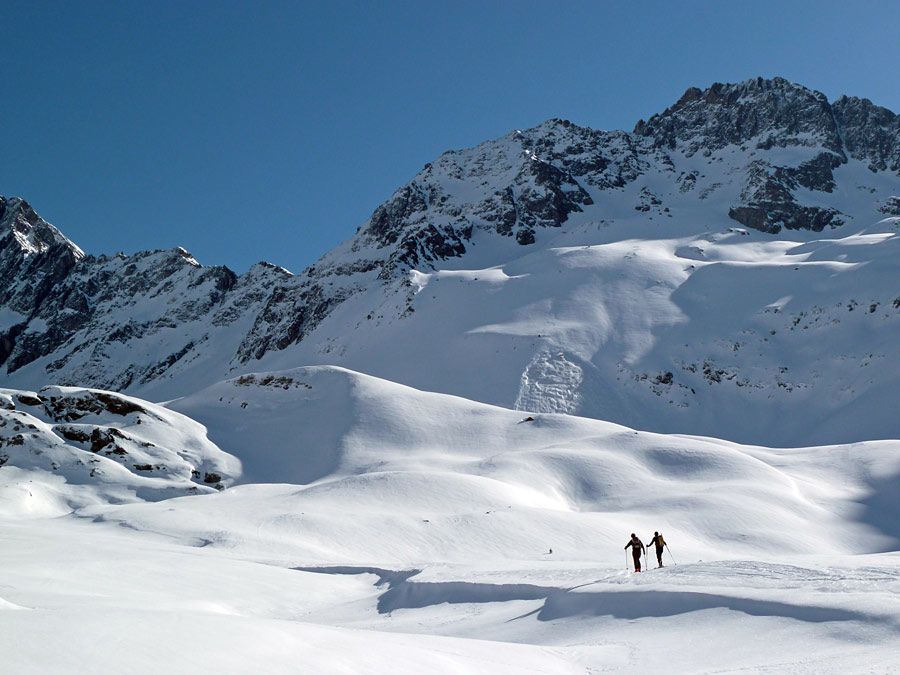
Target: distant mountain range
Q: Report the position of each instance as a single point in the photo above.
(730, 268)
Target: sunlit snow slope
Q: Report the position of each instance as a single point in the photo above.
(354, 434)
(390, 529)
(730, 333)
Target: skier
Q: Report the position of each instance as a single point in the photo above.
(637, 547)
(660, 543)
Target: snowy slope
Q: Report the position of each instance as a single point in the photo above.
(409, 531)
(728, 268)
(350, 434)
(727, 333)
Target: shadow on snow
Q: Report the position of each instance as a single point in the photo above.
(561, 603)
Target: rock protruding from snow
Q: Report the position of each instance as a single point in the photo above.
(98, 445)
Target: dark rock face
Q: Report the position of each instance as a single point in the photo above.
(752, 116)
(816, 174)
(869, 132)
(289, 314)
(94, 288)
(426, 245)
(599, 159)
(891, 207)
(121, 322)
(552, 197)
(34, 256)
(771, 217)
(79, 308)
(769, 203)
(540, 196)
(386, 224)
(773, 113)
(765, 114)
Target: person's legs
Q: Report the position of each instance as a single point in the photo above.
(636, 554)
(659, 553)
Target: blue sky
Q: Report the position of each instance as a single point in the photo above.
(271, 130)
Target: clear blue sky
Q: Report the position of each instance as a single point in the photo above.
(271, 130)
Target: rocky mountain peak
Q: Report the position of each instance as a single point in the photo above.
(23, 228)
(264, 267)
(771, 112)
(34, 257)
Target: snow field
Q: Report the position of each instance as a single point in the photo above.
(393, 530)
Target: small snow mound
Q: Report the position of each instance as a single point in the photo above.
(7, 605)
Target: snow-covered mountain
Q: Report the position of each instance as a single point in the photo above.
(728, 268)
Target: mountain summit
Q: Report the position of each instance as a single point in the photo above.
(735, 252)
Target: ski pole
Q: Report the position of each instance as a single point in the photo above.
(626, 559)
(671, 556)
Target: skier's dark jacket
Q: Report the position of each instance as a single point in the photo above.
(658, 541)
(637, 544)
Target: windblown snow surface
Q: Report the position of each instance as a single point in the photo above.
(379, 528)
